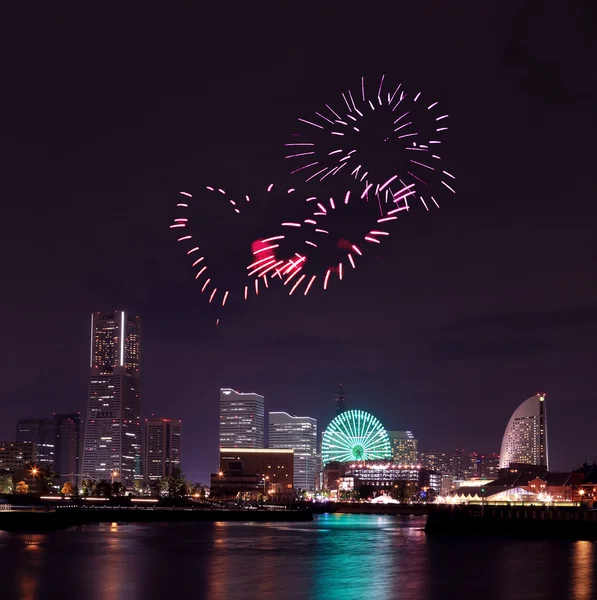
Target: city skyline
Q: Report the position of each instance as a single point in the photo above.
(468, 309)
(108, 351)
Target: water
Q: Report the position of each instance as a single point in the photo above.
(335, 557)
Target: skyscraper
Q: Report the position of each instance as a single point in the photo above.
(242, 419)
(405, 448)
(525, 438)
(300, 435)
(112, 446)
(161, 447)
(42, 433)
(68, 447)
(340, 401)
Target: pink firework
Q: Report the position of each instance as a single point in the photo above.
(317, 250)
(371, 134)
(221, 273)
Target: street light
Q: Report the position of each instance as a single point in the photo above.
(114, 474)
(34, 471)
(581, 493)
(264, 483)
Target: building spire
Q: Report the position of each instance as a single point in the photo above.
(340, 401)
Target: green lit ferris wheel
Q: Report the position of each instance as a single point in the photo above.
(355, 435)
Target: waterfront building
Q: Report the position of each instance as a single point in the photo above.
(436, 461)
(405, 447)
(525, 486)
(242, 419)
(68, 447)
(355, 435)
(340, 401)
(42, 433)
(300, 435)
(161, 447)
(17, 456)
(525, 438)
(369, 478)
(266, 470)
(112, 446)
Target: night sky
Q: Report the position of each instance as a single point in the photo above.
(467, 311)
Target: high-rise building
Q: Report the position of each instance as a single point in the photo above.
(161, 447)
(42, 433)
(405, 448)
(340, 401)
(17, 456)
(242, 419)
(488, 465)
(68, 447)
(463, 464)
(436, 461)
(112, 448)
(525, 438)
(300, 435)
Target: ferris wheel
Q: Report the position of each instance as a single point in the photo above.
(355, 435)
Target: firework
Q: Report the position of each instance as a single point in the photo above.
(382, 136)
(220, 234)
(326, 243)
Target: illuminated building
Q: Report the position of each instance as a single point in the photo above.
(41, 432)
(463, 464)
(436, 461)
(488, 465)
(525, 438)
(17, 456)
(355, 435)
(242, 419)
(372, 477)
(161, 447)
(340, 401)
(265, 470)
(404, 447)
(68, 447)
(112, 447)
(300, 435)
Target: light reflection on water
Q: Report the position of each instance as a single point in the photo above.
(335, 557)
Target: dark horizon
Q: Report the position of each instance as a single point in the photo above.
(466, 311)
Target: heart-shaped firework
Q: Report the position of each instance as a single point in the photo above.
(326, 239)
(221, 232)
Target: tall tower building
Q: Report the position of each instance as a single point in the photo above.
(161, 447)
(42, 433)
(68, 447)
(300, 435)
(242, 419)
(525, 438)
(113, 426)
(340, 401)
